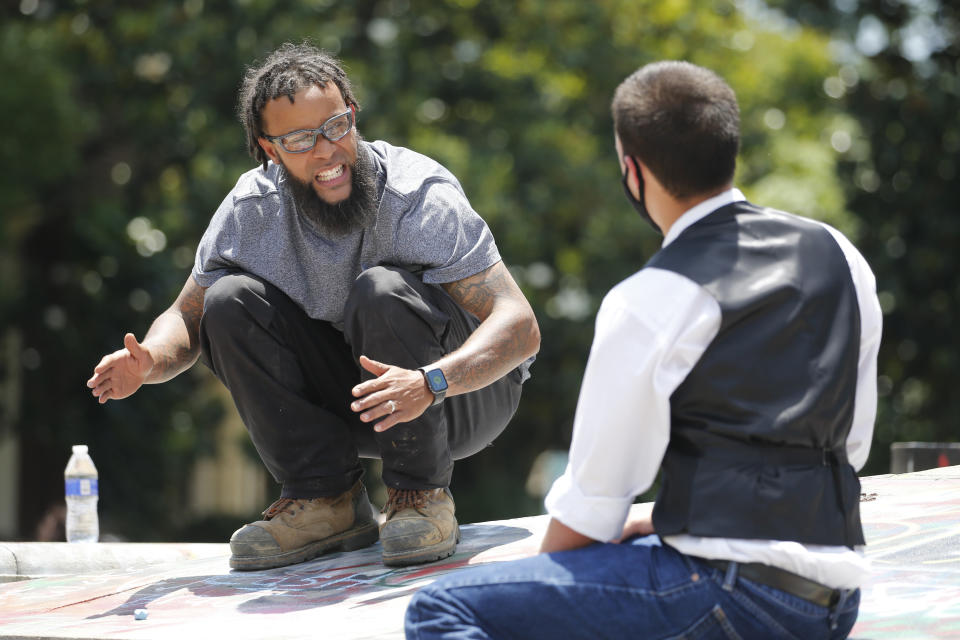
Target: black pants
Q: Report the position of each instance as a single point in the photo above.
(290, 377)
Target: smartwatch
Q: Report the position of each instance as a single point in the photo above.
(436, 382)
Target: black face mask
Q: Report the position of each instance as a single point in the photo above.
(639, 205)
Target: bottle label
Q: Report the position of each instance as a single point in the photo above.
(81, 486)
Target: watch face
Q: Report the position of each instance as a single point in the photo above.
(436, 380)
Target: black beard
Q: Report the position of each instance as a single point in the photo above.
(355, 212)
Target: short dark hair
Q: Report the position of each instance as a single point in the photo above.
(683, 122)
(284, 72)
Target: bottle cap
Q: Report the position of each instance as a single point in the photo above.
(79, 448)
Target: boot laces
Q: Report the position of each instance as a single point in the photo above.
(400, 499)
(278, 507)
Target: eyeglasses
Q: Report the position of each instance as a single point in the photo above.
(303, 140)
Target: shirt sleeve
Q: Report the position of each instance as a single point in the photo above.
(871, 328)
(216, 250)
(444, 235)
(650, 331)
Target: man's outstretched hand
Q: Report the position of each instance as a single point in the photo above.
(395, 395)
(122, 372)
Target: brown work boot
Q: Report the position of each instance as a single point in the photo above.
(420, 526)
(297, 530)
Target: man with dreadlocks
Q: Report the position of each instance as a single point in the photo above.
(355, 305)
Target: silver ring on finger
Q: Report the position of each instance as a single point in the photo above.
(391, 406)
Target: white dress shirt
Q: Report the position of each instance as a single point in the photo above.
(651, 330)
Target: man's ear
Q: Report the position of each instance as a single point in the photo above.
(633, 175)
(268, 149)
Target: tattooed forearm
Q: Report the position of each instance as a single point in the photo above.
(174, 337)
(512, 346)
(169, 360)
(508, 333)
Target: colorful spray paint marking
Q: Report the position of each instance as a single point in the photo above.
(349, 595)
(912, 524)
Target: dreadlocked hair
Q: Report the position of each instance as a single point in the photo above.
(284, 72)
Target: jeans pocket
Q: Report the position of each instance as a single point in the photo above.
(713, 626)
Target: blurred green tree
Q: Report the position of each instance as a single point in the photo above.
(125, 142)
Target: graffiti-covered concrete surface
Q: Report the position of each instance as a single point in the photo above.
(912, 523)
(345, 595)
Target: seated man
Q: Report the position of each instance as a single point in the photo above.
(355, 305)
(741, 359)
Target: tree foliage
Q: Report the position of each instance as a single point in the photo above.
(123, 141)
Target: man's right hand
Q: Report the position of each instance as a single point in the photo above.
(122, 372)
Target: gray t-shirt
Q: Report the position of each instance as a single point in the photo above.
(424, 224)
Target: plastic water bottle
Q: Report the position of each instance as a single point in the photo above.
(80, 478)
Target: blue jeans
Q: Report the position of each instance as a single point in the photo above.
(638, 589)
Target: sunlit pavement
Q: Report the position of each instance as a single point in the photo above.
(56, 590)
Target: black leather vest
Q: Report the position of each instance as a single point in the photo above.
(759, 426)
